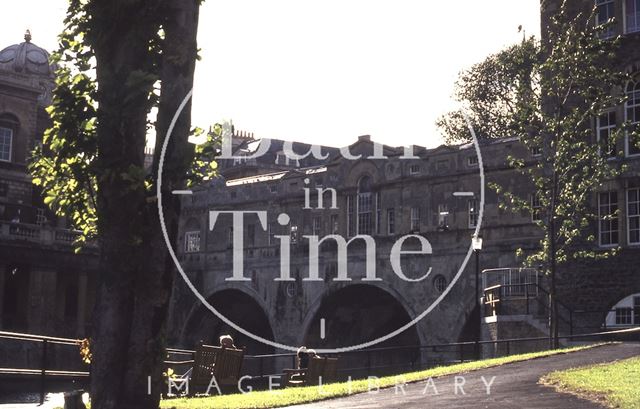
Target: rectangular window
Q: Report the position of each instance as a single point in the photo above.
(40, 217)
(192, 242)
(605, 128)
(251, 234)
(605, 11)
(351, 220)
(315, 228)
(6, 137)
(632, 15)
(415, 219)
(624, 316)
(414, 169)
(378, 213)
(472, 160)
(608, 218)
(632, 113)
(536, 208)
(335, 227)
(443, 217)
(364, 213)
(636, 310)
(391, 221)
(294, 234)
(473, 213)
(633, 215)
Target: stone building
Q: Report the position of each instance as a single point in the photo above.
(435, 195)
(44, 287)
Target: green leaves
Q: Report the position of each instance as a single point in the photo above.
(572, 84)
(496, 94)
(203, 167)
(71, 164)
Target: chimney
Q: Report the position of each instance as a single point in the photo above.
(365, 138)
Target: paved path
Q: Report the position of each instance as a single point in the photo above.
(52, 400)
(515, 386)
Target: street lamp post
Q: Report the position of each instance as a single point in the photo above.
(476, 244)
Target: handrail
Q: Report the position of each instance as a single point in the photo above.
(43, 372)
(561, 317)
(39, 338)
(557, 301)
(464, 343)
(529, 284)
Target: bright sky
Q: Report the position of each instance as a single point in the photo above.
(326, 71)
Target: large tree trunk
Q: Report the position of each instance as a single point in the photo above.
(135, 278)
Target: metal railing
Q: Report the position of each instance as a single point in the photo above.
(371, 360)
(429, 355)
(43, 372)
(524, 299)
(513, 277)
(532, 299)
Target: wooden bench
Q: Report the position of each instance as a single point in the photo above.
(209, 361)
(319, 367)
(223, 363)
(228, 366)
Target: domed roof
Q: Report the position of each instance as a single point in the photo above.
(26, 58)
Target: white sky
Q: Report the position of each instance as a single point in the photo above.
(326, 71)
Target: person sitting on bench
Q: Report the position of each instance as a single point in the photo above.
(226, 341)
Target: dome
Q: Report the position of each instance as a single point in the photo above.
(26, 58)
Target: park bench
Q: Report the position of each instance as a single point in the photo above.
(318, 367)
(209, 361)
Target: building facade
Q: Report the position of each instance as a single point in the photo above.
(44, 287)
(435, 195)
(612, 285)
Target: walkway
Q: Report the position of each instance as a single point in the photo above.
(515, 386)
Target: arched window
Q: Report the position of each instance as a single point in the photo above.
(625, 313)
(8, 128)
(365, 206)
(632, 113)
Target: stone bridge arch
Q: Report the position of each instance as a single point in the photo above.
(238, 304)
(358, 313)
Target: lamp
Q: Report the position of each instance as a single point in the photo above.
(476, 243)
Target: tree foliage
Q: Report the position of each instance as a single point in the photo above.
(64, 167)
(67, 165)
(493, 93)
(120, 62)
(577, 81)
(574, 83)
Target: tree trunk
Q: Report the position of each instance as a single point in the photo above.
(136, 277)
(553, 304)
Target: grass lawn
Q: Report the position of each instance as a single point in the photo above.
(614, 384)
(291, 396)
